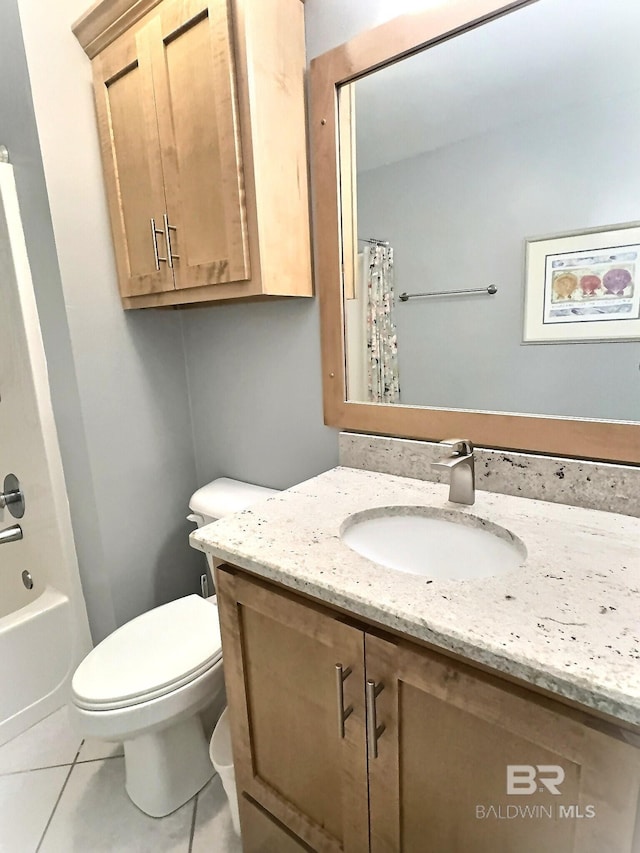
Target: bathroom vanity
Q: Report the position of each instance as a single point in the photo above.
(373, 709)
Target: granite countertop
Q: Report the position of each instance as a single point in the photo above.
(567, 620)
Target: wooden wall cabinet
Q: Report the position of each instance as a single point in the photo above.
(200, 107)
(418, 770)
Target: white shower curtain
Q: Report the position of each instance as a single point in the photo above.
(382, 342)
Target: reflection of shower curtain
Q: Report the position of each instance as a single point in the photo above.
(382, 344)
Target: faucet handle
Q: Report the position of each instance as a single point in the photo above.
(459, 446)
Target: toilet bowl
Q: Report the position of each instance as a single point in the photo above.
(147, 683)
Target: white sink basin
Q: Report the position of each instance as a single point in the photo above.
(441, 544)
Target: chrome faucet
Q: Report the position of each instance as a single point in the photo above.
(10, 534)
(461, 465)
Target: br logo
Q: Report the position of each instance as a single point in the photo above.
(530, 779)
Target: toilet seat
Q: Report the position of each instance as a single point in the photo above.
(150, 656)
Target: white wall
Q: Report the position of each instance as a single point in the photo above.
(134, 413)
(331, 22)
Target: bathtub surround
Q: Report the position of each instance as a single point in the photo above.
(49, 613)
(19, 134)
(576, 482)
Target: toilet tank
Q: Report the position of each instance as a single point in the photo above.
(224, 497)
(217, 499)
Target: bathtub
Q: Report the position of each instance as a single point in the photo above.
(36, 655)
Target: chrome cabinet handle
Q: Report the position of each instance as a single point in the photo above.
(154, 236)
(373, 729)
(343, 714)
(167, 237)
(10, 534)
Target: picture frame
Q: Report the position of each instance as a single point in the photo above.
(583, 286)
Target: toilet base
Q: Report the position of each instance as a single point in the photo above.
(165, 768)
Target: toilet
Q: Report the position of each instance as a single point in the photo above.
(148, 683)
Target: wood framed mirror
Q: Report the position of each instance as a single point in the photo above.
(491, 68)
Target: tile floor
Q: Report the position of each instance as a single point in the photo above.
(59, 794)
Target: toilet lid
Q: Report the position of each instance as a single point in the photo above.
(151, 655)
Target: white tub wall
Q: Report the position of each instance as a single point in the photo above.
(28, 437)
(19, 134)
(21, 448)
(29, 448)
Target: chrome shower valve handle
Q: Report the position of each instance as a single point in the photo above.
(11, 497)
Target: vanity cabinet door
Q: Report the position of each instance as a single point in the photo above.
(292, 755)
(132, 162)
(262, 834)
(468, 763)
(194, 80)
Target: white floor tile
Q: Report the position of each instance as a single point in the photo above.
(214, 830)
(50, 742)
(26, 802)
(96, 815)
(92, 749)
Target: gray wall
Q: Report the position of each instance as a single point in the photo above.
(254, 374)
(458, 217)
(118, 380)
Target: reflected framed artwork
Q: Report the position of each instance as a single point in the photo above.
(583, 286)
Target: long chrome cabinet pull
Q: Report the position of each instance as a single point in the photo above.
(373, 729)
(154, 236)
(167, 237)
(343, 713)
(10, 534)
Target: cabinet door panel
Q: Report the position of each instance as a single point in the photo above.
(280, 668)
(261, 834)
(132, 165)
(197, 117)
(441, 780)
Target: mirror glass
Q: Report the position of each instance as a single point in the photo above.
(504, 159)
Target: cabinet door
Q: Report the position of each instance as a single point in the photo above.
(280, 658)
(468, 764)
(194, 80)
(131, 158)
(262, 834)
